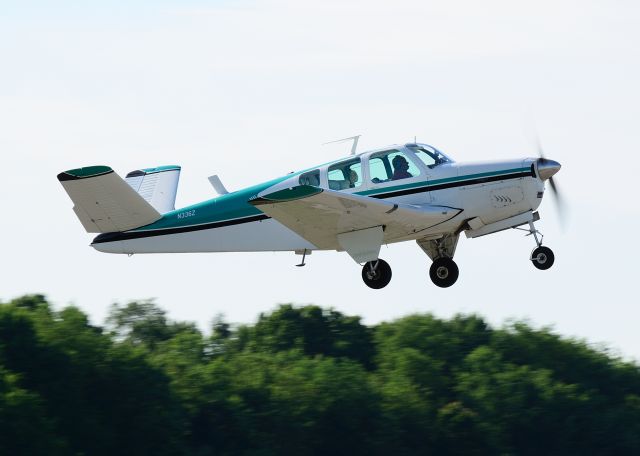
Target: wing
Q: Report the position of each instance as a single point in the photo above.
(335, 220)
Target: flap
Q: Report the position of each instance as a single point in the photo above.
(320, 215)
(362, 245)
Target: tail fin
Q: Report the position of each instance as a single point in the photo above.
(104, 202)
(157, 186)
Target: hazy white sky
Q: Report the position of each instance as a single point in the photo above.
(249, 90)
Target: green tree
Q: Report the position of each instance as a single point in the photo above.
(313, 331)
(283, 403)
(139, 322)
(25, 427)
(143, 323)
(304, 380)
(100, 398)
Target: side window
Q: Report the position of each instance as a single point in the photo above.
(310, 178)
(429, 156)
(390, 166)
(425, 158)
(379, 170)
(345, 175)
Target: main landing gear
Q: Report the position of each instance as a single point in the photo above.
(376, 274)
(443, 272)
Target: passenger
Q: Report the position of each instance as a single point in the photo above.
(400, 168)
(353, 178)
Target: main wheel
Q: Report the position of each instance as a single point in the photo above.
(542, 257)
(443, 272)
(376, 274)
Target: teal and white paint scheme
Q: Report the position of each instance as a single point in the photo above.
(356, 204)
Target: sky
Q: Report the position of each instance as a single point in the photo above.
(250, 90)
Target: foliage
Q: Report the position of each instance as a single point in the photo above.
(304, 380)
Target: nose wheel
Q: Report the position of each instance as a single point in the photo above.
(443, 272)
(376, 274)
(541, 257)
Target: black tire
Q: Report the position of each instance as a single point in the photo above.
(443, 272)
(542, 258)
(379, 277)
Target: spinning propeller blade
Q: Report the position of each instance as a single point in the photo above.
(547, 169)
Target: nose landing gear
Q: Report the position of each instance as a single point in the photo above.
(541, 257)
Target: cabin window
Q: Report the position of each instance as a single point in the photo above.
(310, 178)
(345, 175)
(391, 165)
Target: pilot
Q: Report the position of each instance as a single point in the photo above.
(400, 168)
(353, 178)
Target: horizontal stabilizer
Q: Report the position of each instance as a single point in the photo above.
(104, 202)
(158, 186)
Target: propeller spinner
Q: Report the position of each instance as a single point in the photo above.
(546, 170)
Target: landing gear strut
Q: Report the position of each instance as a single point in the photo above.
(376, 274)
(541, 257)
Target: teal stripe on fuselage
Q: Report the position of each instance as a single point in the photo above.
(224, 207)
(235, 205)
(435, 182)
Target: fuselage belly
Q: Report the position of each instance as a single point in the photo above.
(257, 236)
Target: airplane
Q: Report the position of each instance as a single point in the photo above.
(409, 192)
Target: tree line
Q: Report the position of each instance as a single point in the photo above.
(304, 381)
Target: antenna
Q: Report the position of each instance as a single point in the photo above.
(353, 147)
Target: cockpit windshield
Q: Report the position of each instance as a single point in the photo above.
(430, 156)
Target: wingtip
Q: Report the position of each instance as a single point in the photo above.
(288, 194)
(84, 173)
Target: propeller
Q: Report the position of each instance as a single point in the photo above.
(547, 169)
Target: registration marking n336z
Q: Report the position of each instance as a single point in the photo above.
(186, 214)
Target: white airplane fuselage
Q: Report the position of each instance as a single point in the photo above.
(482, 192)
